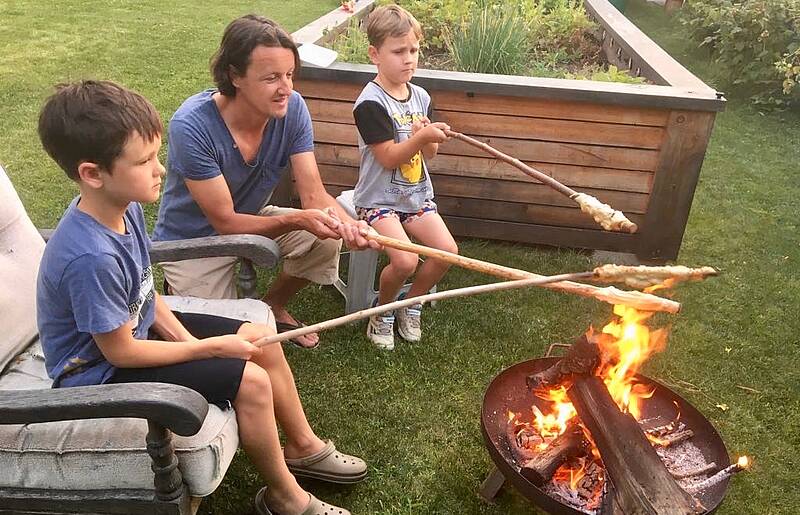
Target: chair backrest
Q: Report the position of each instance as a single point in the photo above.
(21, 249)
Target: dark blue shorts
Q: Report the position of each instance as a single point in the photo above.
(216, 379)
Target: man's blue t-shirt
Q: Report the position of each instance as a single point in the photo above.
(201, 147)
(91, 280)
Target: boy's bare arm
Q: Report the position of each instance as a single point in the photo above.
(167, 325)
(122, 350)
(391, 155)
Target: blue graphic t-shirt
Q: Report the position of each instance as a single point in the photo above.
(201, 147)
(91, 280)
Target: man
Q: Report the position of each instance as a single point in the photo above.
(228, 148)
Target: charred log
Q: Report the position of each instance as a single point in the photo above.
(641, 482)
(569, 444)
(583, 357)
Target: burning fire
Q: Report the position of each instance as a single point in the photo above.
(625, 343)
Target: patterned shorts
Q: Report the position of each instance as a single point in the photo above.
(373, 214)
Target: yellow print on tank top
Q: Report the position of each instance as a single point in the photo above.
(412, 171)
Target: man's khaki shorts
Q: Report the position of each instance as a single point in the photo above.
(303, 256)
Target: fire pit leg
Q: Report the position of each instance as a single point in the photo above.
(491, 485)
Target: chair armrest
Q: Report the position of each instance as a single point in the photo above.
(258, 249)
(179, 409)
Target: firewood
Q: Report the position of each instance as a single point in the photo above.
(642, 484)
(583, 357)
(569, 444)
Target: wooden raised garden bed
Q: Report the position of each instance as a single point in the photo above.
(636, 147)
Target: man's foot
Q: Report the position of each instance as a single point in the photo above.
(380, 330)
(307, 341)
(408, 322)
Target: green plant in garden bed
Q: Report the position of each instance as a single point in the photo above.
(755, 42)
(493, 40)
(547, 38)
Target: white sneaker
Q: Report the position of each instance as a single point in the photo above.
(380, 330)
(408, 322)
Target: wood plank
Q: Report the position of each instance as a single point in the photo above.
(541, 234)
(467, 166)
(571, 237)
(595, 92)
(655, 63)
(543, 129)
(493, 189)
(519, 212)
(500, 104)
(539, 151)
(674, 183)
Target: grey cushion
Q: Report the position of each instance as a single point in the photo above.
(21, 250)
(110, 453)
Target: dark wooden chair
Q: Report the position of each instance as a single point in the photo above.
(43, 467)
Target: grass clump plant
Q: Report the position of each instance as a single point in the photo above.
(493, 40)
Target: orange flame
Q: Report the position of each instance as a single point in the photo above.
(630, 344)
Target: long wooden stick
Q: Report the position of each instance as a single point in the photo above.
(441, 295)
(634, 299)
(609, 218)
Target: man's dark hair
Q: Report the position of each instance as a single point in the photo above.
(90, 121)
(241, 36)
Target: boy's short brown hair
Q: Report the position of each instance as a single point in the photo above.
(90, 121)
(390, 21)
(241, 36)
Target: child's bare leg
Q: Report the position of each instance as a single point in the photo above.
(259, 436)
(430, 230)
(301, 440)
(401, 264)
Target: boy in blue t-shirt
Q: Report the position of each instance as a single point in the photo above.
(394, 193)
(101, 320)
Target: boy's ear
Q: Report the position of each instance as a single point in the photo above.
(372, 52)
(91, 174)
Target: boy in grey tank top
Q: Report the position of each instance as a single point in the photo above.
(394, 193)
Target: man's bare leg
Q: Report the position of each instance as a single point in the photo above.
(282, 290)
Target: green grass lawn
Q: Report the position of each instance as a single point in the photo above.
(414, 413)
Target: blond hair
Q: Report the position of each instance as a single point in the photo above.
(390, 21)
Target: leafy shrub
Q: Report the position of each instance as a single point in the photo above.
(493, 40)
(352, 44)
(747, 38)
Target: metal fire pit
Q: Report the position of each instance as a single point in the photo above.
(508, 391)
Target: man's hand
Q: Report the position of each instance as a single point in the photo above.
(319, 223)
(353, 233)
(231, 346)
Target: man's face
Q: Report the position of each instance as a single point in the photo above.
(136, 174)
(267, 84)
(397, 57)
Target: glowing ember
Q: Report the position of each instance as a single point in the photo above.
(743, 462)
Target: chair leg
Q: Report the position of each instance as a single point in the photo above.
(247, 279)
(168, 480)
(361, 280)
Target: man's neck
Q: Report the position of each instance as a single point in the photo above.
(398, 90)
(238, 115)
(103, 210)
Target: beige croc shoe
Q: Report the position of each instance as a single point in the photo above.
(314, 506)
(329, 465)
